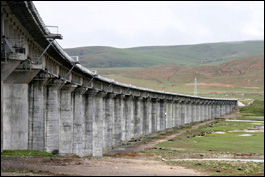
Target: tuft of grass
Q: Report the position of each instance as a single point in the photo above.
(222, 168)
(25, 153)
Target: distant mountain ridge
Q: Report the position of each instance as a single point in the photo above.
(186, 55)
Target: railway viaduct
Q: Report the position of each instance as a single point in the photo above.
(50, 102)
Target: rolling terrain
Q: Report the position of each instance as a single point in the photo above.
(186, 55)
(244, 75)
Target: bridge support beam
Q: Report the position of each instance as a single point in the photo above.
(169, 114)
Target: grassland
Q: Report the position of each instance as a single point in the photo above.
(187, 55)
(25, 153)
(208, 142)
(238, 77)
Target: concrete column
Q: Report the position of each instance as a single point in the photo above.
(227, 108)
(88, 123)
(187, 114)
(213, 111)
(15, 116)
(146, 116)
(158, 116)
(162, 115)
(78, 120)
(193, 109)
(173, 113)
(2, 113)
(209, 111)
(66, 120)
(201, 111)
(98, 125)
(218, 110)
(37, 112)
(53, 116)
(197, 112)
(222, 109)
(128, 113)
(109, 121)
(176, 119)
(182, 113)
(206, 111)
(138, 112)
(119, 123)
(169, 114)
(154, 115)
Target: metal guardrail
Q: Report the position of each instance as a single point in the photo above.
(15, 46)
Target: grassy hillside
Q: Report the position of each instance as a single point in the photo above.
(244, 75)
(187, 55)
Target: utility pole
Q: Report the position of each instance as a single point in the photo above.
(195, 87)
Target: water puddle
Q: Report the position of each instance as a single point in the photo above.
(248, 131)
(245, 121)
(244, 135)
(220, 132)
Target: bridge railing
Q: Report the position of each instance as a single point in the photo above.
(15, 46)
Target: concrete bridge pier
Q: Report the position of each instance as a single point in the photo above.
(218, 107)
(187, 112)
(222, 110)
(109, 121)
(162, 114)
(177, 117)
(138, 118)
(182, 112)
(37, 113)
(146, 116)
(53, 116)
(88, 123)
(158, 114)
(209, 111)
(66, 119)
(98, 125)
(193, 109)
(128, 113)
(169, 114)
(198, 113)
(154, 115)
(15, 105)
(119, 123)
(78, 120)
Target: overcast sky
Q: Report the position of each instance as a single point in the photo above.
(125, 24)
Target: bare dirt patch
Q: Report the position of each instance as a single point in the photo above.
(123, 161)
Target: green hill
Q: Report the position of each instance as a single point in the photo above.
(187, 55)
(245, 75)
